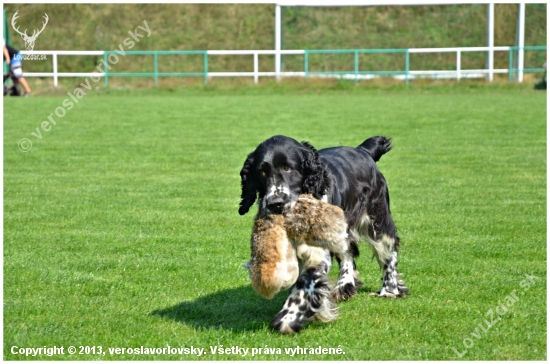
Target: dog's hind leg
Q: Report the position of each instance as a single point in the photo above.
(386, 250)
(382, 235)
(310, 297)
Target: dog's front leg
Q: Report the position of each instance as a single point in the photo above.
(348, 280)
(310, 296)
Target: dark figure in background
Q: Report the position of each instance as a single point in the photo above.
(14, 59)
(542, 84)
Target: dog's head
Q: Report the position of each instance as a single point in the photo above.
(278, 171)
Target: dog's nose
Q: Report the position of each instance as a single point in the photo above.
(276, 206)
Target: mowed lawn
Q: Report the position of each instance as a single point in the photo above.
(121, 227)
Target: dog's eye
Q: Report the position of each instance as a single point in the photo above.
(262, 174)
(286, 168)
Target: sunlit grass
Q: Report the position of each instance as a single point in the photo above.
(121, 226)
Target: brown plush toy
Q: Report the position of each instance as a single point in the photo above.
(279, 243)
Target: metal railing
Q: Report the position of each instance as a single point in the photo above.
(405, 74)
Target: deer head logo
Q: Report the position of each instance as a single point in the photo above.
(29, 40)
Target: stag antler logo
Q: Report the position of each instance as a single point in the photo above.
(29, 40)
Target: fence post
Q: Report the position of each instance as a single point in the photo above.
(278, 36)
(306, 63)
(510, 64)
(255, 68)
(521, 40)
(105, 70)
(205, 67)
(458, 65)
(54, 58)
(356, 62)
(156, 67)
(407, 66)
(490, 40)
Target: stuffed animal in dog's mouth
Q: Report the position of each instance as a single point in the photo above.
(279, 243)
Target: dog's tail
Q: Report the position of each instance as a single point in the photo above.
(376, 146)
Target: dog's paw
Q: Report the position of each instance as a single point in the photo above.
(290, 322)
(385, 294)
(344, 292)
(403, 290)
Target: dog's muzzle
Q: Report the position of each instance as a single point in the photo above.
(276, 205)
(279, 199)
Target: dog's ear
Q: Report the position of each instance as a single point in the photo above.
(249, 185)
(316, 180)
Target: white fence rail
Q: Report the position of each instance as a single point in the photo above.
(407, 74)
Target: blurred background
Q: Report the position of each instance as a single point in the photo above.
(251, 27)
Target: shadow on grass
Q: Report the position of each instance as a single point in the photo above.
(236, 309)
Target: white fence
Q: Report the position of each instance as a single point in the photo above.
(406, 74)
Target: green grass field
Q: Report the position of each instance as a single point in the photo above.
(121, 227)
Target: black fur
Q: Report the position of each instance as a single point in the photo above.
(249, 185)
(316, 181)
(348, 176)
(306, 174)
(377, 146)
(281, 168)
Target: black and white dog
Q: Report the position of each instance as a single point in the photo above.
(280, 169)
